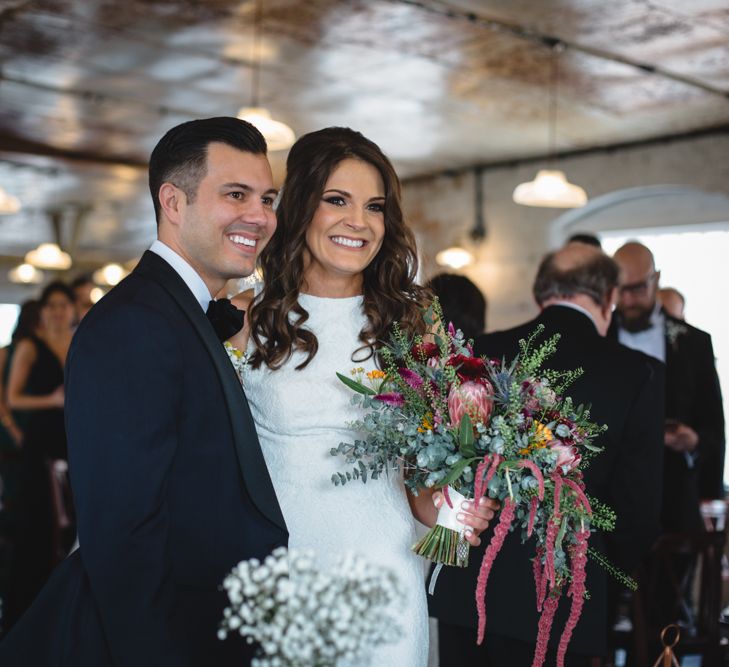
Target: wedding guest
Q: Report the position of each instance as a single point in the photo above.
(575, 289)
(27, 324)
(462, 302)
(36, 386)
(82, 288)
(694, 430)
(673, 302)
(589, 239)
(12, 426)
(338, 273)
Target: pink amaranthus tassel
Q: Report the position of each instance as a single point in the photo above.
(500, 532)
(545, 626)
(578, 560)
(540, 581)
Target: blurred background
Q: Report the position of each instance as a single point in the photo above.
(629, 99)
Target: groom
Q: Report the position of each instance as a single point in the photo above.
(170, 485)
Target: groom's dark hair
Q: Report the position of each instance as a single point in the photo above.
(180, 157)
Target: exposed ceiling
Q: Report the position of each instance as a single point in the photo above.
(88, 86)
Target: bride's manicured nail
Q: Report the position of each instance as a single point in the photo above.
(466, 505)
(460, 516)
(469, 533)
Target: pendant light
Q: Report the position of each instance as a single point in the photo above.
(49, 256)
(8, 203)
(25, 274)
(278, 135)
(110, 275)
(551, 188)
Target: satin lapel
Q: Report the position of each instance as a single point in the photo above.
(250, 458)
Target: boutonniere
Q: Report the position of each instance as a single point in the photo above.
(673, 331)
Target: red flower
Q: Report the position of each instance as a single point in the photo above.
(424, 351)
(468, 367)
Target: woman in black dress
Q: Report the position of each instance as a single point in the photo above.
(36, 386)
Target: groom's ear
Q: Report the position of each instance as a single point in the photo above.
(172, 200)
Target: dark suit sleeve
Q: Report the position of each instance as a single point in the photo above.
(122, 415)
(636, 489)
(708, 414)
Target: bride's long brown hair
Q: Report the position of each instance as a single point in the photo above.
(390, 292)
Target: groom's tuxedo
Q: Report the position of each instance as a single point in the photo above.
(170, 485)
(625, 391)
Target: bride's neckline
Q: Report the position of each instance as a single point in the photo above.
(340, 299)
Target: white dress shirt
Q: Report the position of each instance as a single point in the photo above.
(191, 277)
(651, 341)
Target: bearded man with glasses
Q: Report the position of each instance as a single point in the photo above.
(694, 429)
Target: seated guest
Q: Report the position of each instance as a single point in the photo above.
(462, 303)
(694, 430)
(575, 288)
(673, 302)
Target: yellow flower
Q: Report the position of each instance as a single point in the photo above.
(542, 435)
(376, 375)
(427, 424)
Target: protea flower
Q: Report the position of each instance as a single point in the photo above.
(473, 398)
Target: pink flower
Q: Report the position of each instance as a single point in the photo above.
(393, 399)
(567, 457)
(476, 399)
(411, 377)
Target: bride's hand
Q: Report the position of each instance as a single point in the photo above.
(477, 519)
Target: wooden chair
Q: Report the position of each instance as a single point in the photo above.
(666, 583)
(64, 517)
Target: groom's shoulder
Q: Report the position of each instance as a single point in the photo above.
(135, 303)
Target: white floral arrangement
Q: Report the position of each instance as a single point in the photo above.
(237, 358)
(301, 616)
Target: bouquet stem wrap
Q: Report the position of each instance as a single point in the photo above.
(445, 543)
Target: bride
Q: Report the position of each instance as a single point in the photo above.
(338, 272)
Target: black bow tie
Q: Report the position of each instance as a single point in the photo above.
(227, 320)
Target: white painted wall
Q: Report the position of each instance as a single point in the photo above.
(440, 210)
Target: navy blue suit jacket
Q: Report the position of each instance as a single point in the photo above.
(170, 485)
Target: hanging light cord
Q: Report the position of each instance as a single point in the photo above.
(256, 72)
(555, 52)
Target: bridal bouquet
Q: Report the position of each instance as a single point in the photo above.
(474, 426)
(300, 616)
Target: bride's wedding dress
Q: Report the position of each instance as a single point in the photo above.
(300, 416)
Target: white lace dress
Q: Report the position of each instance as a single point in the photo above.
(300, 416)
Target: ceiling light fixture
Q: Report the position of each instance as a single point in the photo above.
(49, 256)
(25, 274)
(278, 135)
(111, 274)
(8, 203)
(551, 188)
(454, 257)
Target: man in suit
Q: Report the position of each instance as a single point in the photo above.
(694, 429)
(575, 287)
(170, 485)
